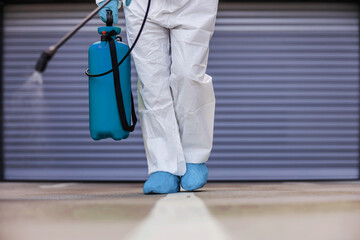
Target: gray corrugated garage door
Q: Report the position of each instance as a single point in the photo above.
(286, 78)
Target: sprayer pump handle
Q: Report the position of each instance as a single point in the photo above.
(109, 18)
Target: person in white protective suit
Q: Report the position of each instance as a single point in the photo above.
(176, 99)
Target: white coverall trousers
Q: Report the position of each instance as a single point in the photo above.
(176, 99)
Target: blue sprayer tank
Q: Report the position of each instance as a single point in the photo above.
(104, 103)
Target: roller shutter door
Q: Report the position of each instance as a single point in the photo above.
(286, 78)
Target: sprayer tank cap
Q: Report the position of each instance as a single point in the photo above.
(106, 30)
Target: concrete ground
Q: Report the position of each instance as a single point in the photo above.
(281, 211)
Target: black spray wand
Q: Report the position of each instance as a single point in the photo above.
(50, 52)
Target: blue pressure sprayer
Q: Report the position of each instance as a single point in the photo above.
(111, 105)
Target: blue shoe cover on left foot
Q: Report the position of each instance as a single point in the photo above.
(195, 177)
(162, 182)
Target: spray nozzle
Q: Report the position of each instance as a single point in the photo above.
(109, 18)
(43, 60)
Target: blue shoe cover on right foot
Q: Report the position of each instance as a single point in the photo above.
(162, 182)
(195, 177)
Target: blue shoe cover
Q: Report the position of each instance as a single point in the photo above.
(162, 182)
(195, 177)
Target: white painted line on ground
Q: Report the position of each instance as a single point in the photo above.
(57, 185)
(179, 216)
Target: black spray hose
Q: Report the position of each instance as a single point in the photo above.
(131, 48)
(50, 52)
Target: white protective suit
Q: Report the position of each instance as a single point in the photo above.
(176, 99)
